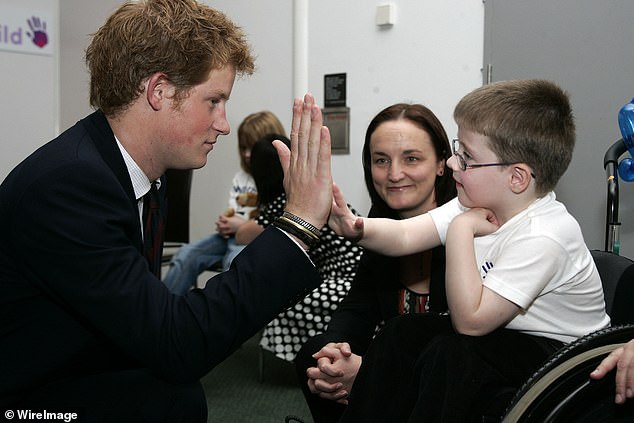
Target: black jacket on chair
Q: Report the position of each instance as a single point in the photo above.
(76, 295)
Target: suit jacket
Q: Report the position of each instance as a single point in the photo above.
(76, 295)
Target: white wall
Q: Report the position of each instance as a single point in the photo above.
(432, 55)
(78, 19)
(268, 25)
(28, 89)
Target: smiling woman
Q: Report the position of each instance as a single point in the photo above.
(406, 146)
(404, 166)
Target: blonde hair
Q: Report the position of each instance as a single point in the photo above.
(255, 126)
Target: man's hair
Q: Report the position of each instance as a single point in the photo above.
(254, 127)
(526, 121)
(181, 38)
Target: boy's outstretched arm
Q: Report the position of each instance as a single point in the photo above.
(386, 236)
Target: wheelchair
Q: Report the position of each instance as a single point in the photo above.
(561, 390)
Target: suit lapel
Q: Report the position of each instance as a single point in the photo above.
(103, 138)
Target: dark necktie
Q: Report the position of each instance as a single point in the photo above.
(153, 229)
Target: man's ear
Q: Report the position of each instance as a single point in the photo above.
(521, 176)
(158, 89)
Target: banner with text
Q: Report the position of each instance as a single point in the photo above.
(26, 31)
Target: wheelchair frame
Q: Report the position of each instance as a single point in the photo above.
(562, 391)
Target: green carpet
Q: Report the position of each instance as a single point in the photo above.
(236, 395)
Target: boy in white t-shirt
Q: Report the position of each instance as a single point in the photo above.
(520, 280)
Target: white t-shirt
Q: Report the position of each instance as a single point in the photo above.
(539, 261)
(242, 183)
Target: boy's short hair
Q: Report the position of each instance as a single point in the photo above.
(182, 38)
(526, 121)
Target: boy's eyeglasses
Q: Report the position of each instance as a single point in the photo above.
(462, 163)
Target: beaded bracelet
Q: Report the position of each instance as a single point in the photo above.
(312, 228)
(295, 229)
(300, 227)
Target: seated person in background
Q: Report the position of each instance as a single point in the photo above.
(520, 280)
(404, 164)
(192, 259)
(335, 257)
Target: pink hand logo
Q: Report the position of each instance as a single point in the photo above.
(38, 31)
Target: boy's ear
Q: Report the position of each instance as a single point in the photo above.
(520, 177)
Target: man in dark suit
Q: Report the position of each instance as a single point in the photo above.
(85, 326)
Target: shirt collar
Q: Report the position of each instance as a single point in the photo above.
(140, 182)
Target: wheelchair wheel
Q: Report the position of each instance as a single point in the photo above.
(562, 391)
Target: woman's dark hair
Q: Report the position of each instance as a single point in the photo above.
(425, 119)
(266, 168)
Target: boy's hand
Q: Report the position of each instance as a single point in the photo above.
(342, 220)
(481, 221)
